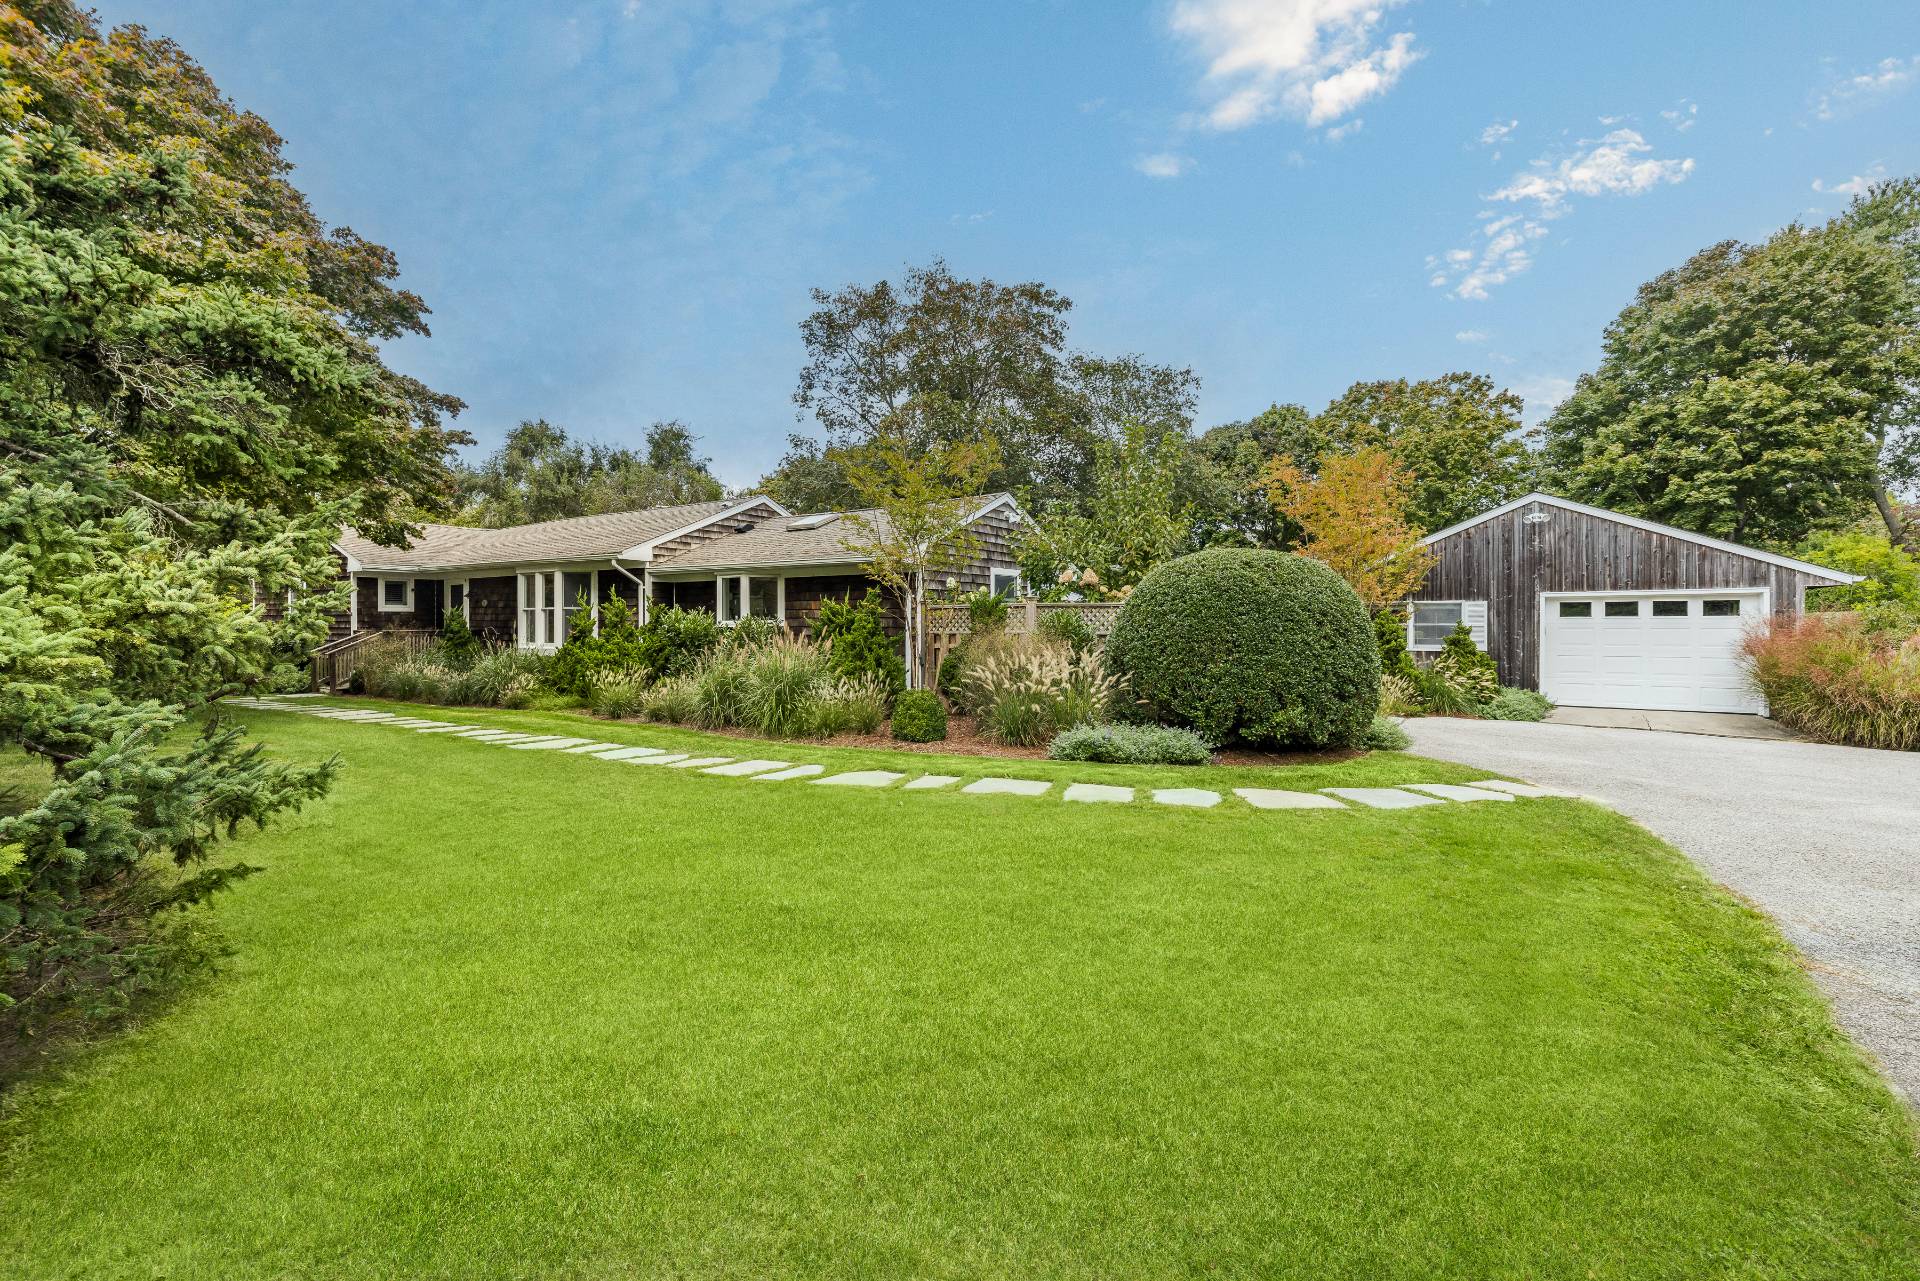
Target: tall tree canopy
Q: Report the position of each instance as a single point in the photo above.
(1222, 480)
(539, 473)
(1760, 392)
(191, 402)
(941, 360)
(1459, 438)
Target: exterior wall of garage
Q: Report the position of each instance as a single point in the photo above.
(1508, 561)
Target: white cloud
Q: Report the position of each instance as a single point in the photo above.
(1502, 248)
(970, 218)
(1347, 130)
(1885, 78)
(1163, 164)
(1315, 60)
(1616, 165)
(1854, 186)
(1471, 336)
(1498, 132)
(1683, 115)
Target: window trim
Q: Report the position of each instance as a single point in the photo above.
(466, 594)
(380, 596)
(1413, 614)
(996, 572)
(521, 574)
(745, 578)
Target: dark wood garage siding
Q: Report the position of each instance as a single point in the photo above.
(1508, 562)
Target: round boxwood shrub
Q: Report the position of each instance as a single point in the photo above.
(919, 717)
(1257, 646)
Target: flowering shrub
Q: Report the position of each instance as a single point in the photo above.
(1839, 680)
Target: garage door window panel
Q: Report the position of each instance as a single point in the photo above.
(1670, 609)
(1720, 608)
(1576, 609)
(1623, 609)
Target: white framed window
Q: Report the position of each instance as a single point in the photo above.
(457, 598)
(738, 596)
(1430, 622)
(1003, 582)
(396, 595)
(548, 599)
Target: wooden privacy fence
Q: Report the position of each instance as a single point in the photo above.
(947, 624)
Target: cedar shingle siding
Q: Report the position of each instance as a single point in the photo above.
(491, 603)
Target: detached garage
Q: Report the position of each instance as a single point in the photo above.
(1597, 609)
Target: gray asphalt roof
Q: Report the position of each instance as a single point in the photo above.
(779, 542)
(578, 538)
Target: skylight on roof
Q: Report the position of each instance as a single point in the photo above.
(814, 522)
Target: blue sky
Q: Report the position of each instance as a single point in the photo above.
(616, 208)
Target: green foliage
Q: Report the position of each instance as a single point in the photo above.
(193, 402)
(1760, 392)
(539, 474)
(1839, 681)
(1400, 694)
(1385, 735)
(1220, 480)
(952, 678)
(858, 640)
(1444, 697)
(1892, 573)
(1390, 637)
(751, 633)
(1027, 690)
(1462, 665)
(919, 717)
(1254, 645)
(459, 647)
(616, 695)
(673, 640)
(1510, 703)
(1067, 627)
(579, 656)
(1130, 745)
(986, 611)
(1130, 519)
(784, 688)
(1460, 437)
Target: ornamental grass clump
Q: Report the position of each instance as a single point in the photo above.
(1026, 694)
(1839, 680)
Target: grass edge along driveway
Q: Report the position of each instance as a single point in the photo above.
(515, 1014)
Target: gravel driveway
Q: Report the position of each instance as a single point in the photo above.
(1825, 839)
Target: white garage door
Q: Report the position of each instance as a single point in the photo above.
(1665, 651)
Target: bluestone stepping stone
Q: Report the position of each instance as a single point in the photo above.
(629, 753)
(861, 778)
(513, 739)
(698, 762)
(739, 768)
(444, 729)
(549, 744)
(669, 758)
(1192, 797)
(1099, 793)
(1455, 792)
(481, 732)
(588, 747)
(1268, 798)
(408, 722)
(1007, 787)
(1383, 798)
(798, 771)
(927, 782)
(1522, 789)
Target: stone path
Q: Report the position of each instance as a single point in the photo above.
(1408, 796)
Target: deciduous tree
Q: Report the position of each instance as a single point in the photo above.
(540, 473)
(1761, 392)
(1352, 515)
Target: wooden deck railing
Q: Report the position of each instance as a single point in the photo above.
(335, 661)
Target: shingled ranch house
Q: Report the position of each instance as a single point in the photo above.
(746, 557)
(1594, 608)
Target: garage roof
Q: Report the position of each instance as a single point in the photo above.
(1833, 576)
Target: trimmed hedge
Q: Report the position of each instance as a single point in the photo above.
(919, 717)
(1257, 646)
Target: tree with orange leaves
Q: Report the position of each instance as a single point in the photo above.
(1352, 512)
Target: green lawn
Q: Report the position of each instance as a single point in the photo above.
(515, 1014)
